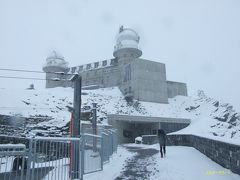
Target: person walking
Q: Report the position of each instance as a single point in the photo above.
(162, 141)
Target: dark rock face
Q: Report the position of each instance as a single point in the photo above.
(21, 126)
(192, 108)
(10, 125)
(224, 118)
(216, 104)
(233, 119)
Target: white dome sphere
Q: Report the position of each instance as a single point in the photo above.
(127, 43)
(55, 55)
(127, 34)
(55, 60)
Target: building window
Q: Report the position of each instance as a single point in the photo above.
(127, 73)
(73, 69)
(114, 62)
(80, 68)
(88, 66)
(96, 64)
(104, 63)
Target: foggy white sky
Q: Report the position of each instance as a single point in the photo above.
(198, 40)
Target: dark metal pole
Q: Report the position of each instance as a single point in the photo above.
(77, 106)
(94, 125)
(76, 127)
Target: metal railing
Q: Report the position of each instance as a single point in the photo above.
(109, 144)
(57, 158)
(52, 158)
(92, 153)
(13, 162)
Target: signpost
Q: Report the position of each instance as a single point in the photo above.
(76, 127)
(94, 125)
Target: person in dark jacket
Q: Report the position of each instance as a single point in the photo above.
(162, 141)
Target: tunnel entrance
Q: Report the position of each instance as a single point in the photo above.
(130, 127)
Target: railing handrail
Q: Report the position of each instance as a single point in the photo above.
(151, 135)
(56, 138)
(92, 135)
(12, 146)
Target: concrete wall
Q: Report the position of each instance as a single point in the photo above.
(149, 81)
(128, 131)
(126, 79)
(139, 79)
(103, 77)
(172, 127)
(225, 154)
(88, 129)
(120, 127)
(176, 88)
(135, 129)
(135, 126)
(63, 78)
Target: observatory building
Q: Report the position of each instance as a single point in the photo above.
(137, 78)
(55, 69)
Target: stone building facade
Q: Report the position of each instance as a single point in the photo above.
(137, 78)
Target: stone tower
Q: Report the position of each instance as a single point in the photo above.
(55, 69)
(126, 51)
(140, 79)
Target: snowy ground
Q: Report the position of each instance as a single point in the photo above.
(141, 162)
(209, 117)
(112, 169)
(182, 163)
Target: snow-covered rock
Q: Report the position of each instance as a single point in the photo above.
(46, 110)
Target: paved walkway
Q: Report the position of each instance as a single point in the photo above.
(181, 163)
(137, 166)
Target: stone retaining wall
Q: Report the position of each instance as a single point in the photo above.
(149, 139)
(225, 154)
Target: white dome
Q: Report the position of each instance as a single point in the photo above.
(127, 34)
(127, 43)
(56, 60)
(55, 55)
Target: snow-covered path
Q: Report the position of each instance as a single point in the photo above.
(141, 162)
(137, 167)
